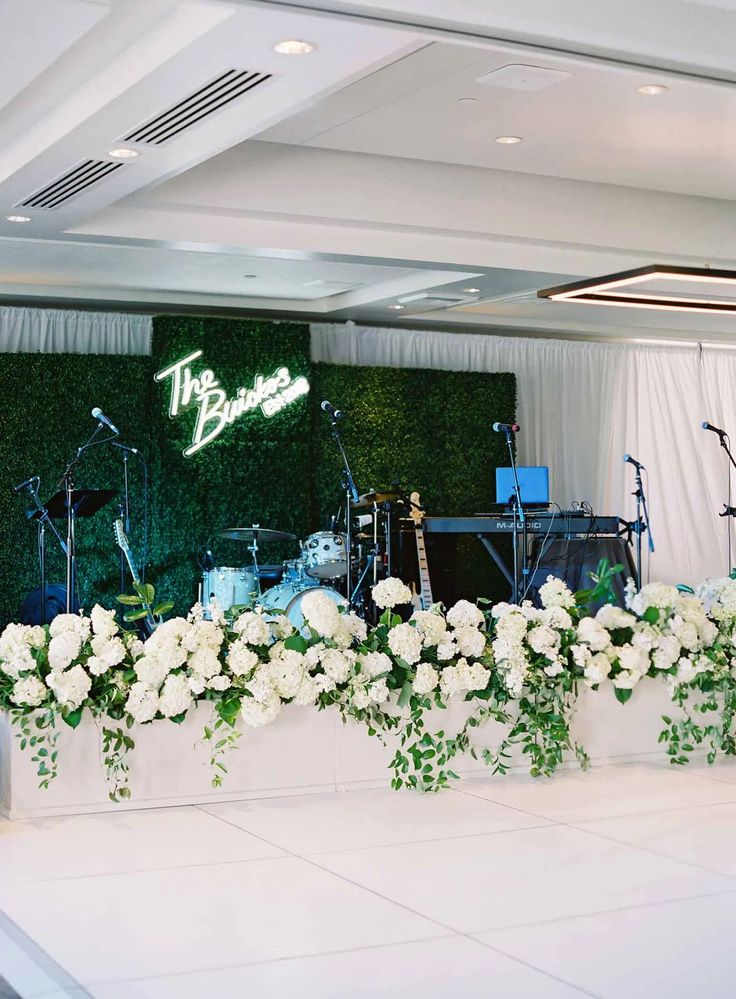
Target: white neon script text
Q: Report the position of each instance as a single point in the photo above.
(271, 392)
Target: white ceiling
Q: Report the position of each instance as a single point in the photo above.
(367, 172)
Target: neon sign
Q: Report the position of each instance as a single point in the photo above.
(269, 392)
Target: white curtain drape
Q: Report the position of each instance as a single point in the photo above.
(65, 331)
(582, 406)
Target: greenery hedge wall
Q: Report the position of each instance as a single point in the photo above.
(429, 429)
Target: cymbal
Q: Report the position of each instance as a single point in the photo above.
(259, 533)
(377, 496)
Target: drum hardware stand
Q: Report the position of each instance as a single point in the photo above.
(253, 549)
(521, 567)
(351, 496)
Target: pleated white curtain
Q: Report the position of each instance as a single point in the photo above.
(582, 406)
(69, 332)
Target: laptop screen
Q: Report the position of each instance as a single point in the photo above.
(533, 482)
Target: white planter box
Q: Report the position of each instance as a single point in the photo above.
(305, 750)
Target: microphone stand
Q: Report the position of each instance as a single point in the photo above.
(519, 519)
(67, 483)
(351, 496)
(41, 521)
(642, 523)
(728, 510)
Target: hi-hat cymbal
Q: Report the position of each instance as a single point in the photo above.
(255, 532)
(377, 496)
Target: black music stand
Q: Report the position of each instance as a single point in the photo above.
(85, 503)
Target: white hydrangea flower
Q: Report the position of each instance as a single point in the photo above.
(554, 667)
(512, 624)
(374, 664)
(151, 670)
(109, 648)
(447, 650)
(175, 697)
(204, 663)
(470, 641)
(592, 633)
(28, 692)
(142, 703)
(613, 618)
(656, 595)
(70, 686)
(241, 659)
(219, 682)
(15, 651)
(252, 628)
(260, 684)
(553, 617)
(465, 615)
(64, 648)
(103, 622)
(633, 659)
(597, 669)
(556, 593)
(378, 691)
(390, 592)
(666, 652)
(543, 640)
(432, 627)
(337, 664)
(74, 623)
(426, 679)
(287, 673)
(257, 713)
(406, 643)
(626, 680)
(321, 613)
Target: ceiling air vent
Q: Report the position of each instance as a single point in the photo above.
(74, 182)
(201, 104)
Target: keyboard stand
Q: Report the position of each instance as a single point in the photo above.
(493, 552)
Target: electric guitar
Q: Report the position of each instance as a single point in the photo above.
(147, 624)
(422, 600)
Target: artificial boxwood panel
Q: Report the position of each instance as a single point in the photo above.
(45, 403)
(431, 430)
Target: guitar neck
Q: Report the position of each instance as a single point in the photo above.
(425, 585)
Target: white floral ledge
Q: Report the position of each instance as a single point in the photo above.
(447, 693)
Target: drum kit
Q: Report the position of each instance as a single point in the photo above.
(324, 562)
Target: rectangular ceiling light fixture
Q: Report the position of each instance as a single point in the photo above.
(658, 286)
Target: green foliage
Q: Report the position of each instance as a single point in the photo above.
(430, 429)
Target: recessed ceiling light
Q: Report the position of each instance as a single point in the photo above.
(17, 218)
(471, 291)
(396, 308)
(652, 89)
(467, 100)
(123, 154)
(508, 140)
(292, 46)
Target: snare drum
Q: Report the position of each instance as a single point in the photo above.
(294, 571)
(288, 597)
(229, 586)
(324, 555)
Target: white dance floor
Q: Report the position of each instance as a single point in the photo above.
(616, 883)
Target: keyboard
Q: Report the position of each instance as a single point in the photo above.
(556, 524)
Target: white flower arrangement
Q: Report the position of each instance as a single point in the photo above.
(520, 665)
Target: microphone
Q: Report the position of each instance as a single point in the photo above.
(99, 415)
(334, 414)
(25, 484)
(633, 461)
(125, 447)
(506, 428)
(709, 426)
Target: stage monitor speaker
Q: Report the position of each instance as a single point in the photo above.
(575, 559)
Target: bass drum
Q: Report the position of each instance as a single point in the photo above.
(288, 598)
